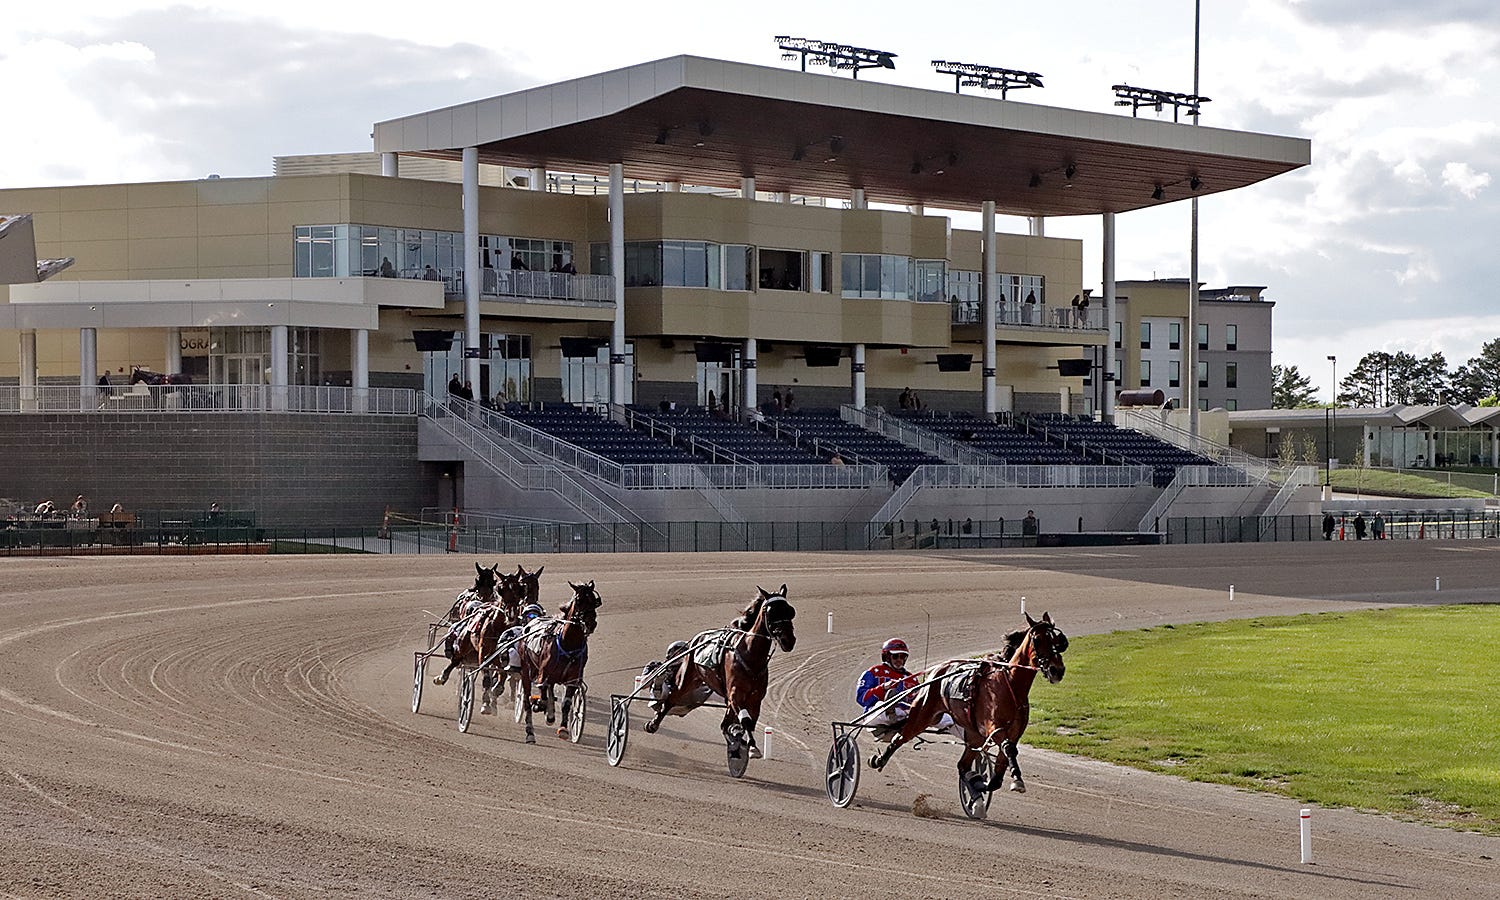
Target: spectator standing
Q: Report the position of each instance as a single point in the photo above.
(455, 387)
(904, 399)
(1377, 531)
(80, 507)
(386, 269)
(1327, 526)
(1359, 526)
(1030, 525)
(776, 401)
(789, 400)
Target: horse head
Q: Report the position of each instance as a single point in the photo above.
(485, 580)
(774, 615)
(512, 596)
(584, 605)
(1042, 646)
(531, 583)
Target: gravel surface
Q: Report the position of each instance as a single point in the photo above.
(230, 727)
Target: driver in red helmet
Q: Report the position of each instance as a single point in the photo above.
(886, 679)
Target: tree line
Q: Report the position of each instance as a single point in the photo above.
(1383, 379)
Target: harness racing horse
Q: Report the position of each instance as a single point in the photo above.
(486, 610)
(531, 583)
(554, 651)
(991, 703)
(740, 674)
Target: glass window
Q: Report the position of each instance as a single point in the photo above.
(1202, 336)
(850, 274)
(1203, 405)
(820, 272)
(715, 266)
(1145, 335)
(739, 262)
(782, 270)
(1202, 374)
(1174, 335)
(1231, 337)
(1231, 405)
(1231, 375)
(302, 251)
(321, 265)
(870, 282)
(1119, 335)
(1145, 373)
(694, 264)
(1174, 373)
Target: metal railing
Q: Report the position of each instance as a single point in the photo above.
(453, 417)
(553, 287)
(821, 447)
(639, 421)
(1146, 423)
(1299, 477)
(209, 398)
(1445, 525)
(1031, 315)
(1193, 476)
(1006, 476)
(874, 419)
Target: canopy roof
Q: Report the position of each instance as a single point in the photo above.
(711, 122)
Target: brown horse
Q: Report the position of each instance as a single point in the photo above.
(486, 611)
(740, 675)
(554, 651)
(531, 583)
(991, 704)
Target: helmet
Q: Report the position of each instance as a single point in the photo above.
(532, 611)
(894, 645)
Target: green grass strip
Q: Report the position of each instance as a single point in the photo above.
(1394, 710)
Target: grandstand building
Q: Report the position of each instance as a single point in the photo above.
(628, 270)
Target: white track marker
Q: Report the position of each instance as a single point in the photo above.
(765, 744)
(1437, 582)
(1306, 837)
(1023, 607)
(830, 623)
(1231, 593)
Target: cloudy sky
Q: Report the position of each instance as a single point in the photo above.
(1389, 241)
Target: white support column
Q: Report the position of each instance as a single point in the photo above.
(28, 371)
(88, 368)
(747, 187)
(989, 298)
(472, 275)
(782, 197)
(390, 165)
(1190, 347)
(1494, 445)
(1108, 377)
(617, 269)
(917, 209)
(359, 364)
(174, 351)
(747, 377)
(857, 377)
(674, 187)
(1065, 400)
(1036, 226)
(278, 367)
(537, 179)
(857, 199)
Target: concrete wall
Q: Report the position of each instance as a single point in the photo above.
(287, 469)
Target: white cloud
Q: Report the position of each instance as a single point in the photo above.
(1459, 176)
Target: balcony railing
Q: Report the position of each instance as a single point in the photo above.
(208, 398)
(1032, 315)
(554, 287)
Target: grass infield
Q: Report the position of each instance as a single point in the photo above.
(1392, 710)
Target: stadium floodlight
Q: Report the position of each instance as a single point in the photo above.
(835, 56)
(989, 78)
(1137, 97)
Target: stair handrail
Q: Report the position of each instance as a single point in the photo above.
(877, 420)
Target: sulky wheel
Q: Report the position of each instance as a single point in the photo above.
(619, 732)
(520, 697)
(975, 800)
(843, 770)
(418, 677)
(577, 713)
(465, 701)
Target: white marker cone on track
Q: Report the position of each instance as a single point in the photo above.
(830, 623)
(1023, 606)
(1231, 593)
(1437, 583)
(765, 744)
(1306, 836)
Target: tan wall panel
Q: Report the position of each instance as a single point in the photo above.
(98, 260)
(308, 188)
(282, 218)
(170, 193)
(162, 222)
(233, 191)
(104, 196)
(247, 219)
(174, 254)
(232, 253)
(87, 225)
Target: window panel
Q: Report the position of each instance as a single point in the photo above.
(1202, 336)
(1145, 335)
(1231, 337)
(1174, 335)
(1231, 375)
(1145, 373)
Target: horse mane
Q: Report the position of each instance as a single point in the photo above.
(747, 617)
(1012, 641)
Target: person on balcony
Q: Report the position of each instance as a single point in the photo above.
(518, 264)
(386, 269)
(431, 274)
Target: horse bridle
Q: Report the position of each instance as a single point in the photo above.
(1056, 640)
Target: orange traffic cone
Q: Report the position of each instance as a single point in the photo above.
(453, 533)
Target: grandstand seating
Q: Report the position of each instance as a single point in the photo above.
(598, 434)
(833, 433)
(739, 439)
(1102, 439)
(1006, 444)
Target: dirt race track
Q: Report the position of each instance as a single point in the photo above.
(241, 727)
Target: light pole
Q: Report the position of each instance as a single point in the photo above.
(1334, 415)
